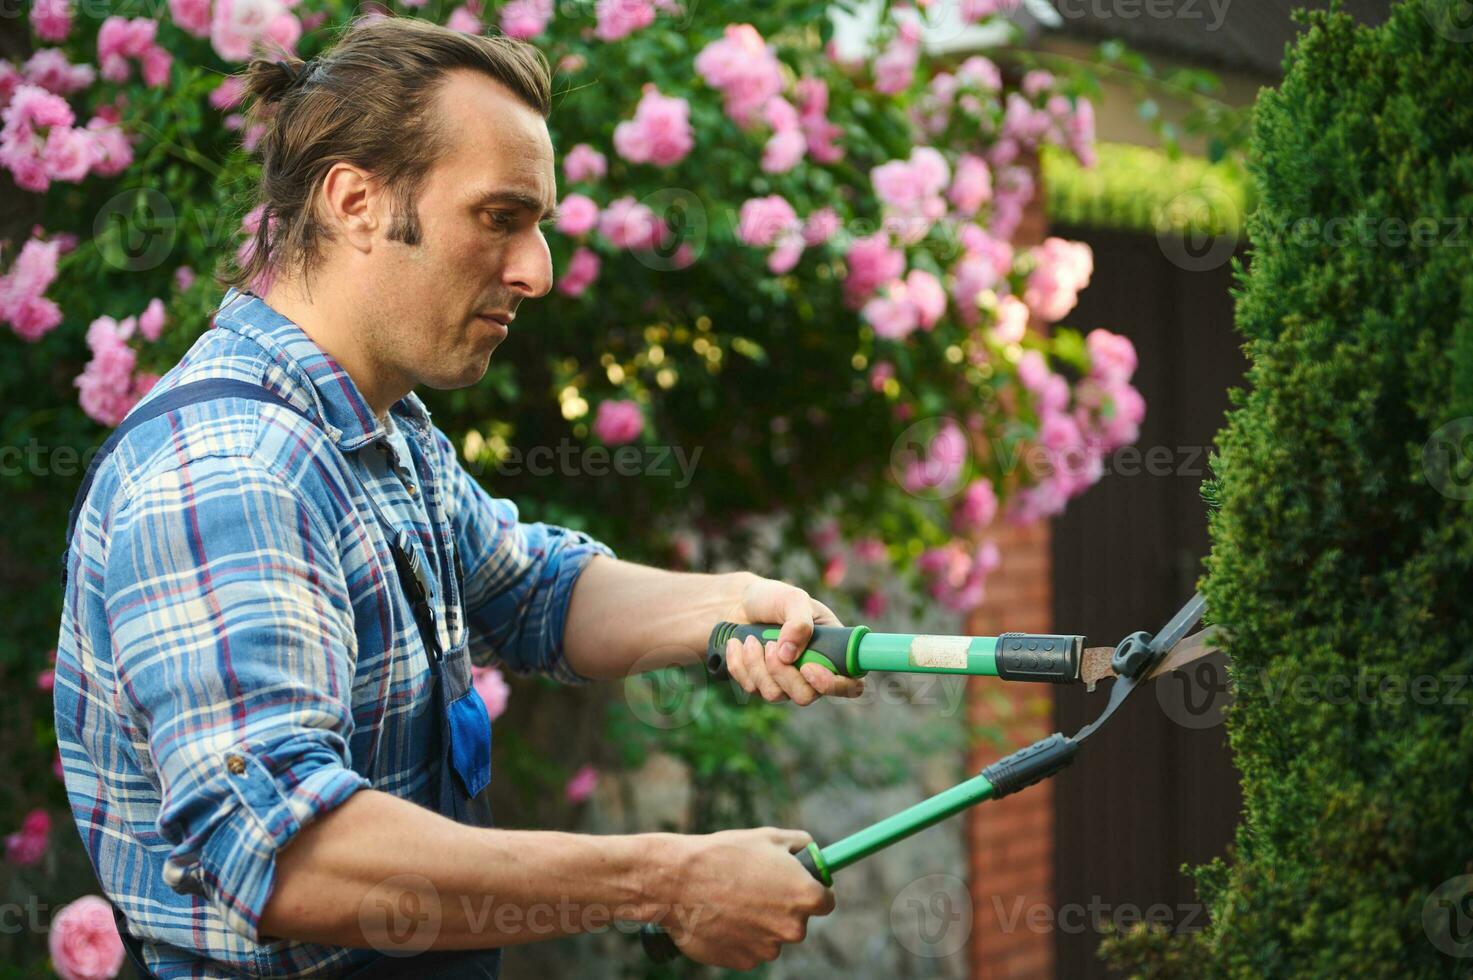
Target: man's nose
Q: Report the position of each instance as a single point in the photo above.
(529, 268)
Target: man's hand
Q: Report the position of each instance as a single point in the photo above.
(742, 895)
(768, 669)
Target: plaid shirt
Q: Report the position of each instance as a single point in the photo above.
(236, 657)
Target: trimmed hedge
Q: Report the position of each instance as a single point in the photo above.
(1137, 188)
(1342, 538)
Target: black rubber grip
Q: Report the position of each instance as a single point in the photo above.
(1030, 765)
(658, 945)
(1043, 657)
(831, 641)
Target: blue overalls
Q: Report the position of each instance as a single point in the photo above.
(463, 743)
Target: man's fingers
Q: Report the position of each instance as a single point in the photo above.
(759, 671)
(831, 685)
(823, 615)
(736, 665)
(797, 626)
(787, 676)
(793, 840)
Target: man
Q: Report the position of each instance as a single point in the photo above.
(280, 572)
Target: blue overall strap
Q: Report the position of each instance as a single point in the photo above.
(187, 394)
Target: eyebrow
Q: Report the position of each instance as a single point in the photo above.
(517, 199)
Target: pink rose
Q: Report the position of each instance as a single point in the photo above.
(525, 19)
(114, 151)
(84, 940)
(46, 680)
(820, 226)
(743, 69)
(620, 18)
(918, 301)
(151, 320)
(1012, 321)
(464, 20)
(492, 688)
(925, 293)
(1033, 371)
(618, 422)
(582, 785)
(69, 153)
(582, 271)
(27, 846)
(1080, 132)
(628, 224)
(51, 19)
(1112, 357)
(577, 215)
(660, 132)
(584, 163)
(783, 151)
(972, 186)
(1061, 270)
(977, 507)
(50, 69)
(871, 263)
(765, 220)
(895, 68)
(192, 16)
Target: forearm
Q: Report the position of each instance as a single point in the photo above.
(489, 887)
(625, 617)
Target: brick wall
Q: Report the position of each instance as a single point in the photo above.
(1011, 841)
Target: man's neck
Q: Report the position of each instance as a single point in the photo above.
(340, 338)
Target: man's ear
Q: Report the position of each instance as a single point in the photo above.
(352, 201)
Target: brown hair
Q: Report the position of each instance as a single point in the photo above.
(368, 101)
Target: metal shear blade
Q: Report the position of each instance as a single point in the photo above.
(1171, 649)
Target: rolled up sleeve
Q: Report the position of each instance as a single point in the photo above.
(234, 652)
(519, 577)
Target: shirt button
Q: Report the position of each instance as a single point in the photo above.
(235, 763)
(413, 490)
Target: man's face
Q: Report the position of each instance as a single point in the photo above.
(447, 300)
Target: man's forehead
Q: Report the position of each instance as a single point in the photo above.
(499, 143)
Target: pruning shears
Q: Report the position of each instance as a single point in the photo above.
(853, 651)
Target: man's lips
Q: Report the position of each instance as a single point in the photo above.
(499, 322)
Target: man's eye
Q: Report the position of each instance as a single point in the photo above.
(502, 220)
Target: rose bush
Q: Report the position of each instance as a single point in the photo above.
(749, 217)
